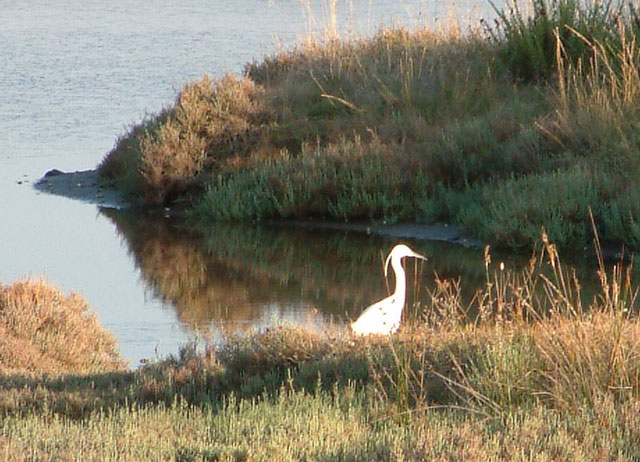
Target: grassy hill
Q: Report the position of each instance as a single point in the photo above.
(503, 129)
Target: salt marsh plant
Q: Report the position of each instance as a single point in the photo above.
(422, 125)
(44, 331)
(211, 124)
(527, 372)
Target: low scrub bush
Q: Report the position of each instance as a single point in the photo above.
(42, 330)
(211, 125)
(346, 180)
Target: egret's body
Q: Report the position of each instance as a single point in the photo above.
(384, 316)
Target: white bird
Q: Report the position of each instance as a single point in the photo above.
(384, 316)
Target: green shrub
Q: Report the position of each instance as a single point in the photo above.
(347, 180)
(532, 42)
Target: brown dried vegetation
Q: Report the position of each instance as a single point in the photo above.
(211, 125)
(42, 330)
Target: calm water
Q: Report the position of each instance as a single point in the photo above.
(73, 74)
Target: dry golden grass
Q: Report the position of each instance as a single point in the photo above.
(212, 123)
(533, 377)
(44, 331)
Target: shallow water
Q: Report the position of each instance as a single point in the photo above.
(74, 73)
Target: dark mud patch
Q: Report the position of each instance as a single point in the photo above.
(86, 186)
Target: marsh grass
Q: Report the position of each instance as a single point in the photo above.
(533, 343)
(529, 34)
(527, 371)
(44, 331)
(466, 126)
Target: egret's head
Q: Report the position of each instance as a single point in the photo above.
(399, 252)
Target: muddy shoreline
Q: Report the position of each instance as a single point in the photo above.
(438, 232)
(87, 186)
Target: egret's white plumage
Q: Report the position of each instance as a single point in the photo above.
(384, 316)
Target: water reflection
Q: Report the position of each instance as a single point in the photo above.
(233, 277)
(237, 276)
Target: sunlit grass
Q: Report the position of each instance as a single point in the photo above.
(528, 371)
(44, 331)
(455, 119)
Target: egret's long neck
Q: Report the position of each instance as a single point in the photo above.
(401, 282)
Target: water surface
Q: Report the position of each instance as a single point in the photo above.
(74, 74)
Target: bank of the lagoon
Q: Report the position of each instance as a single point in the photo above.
(537, 376)
(76, 76)
(501, 129)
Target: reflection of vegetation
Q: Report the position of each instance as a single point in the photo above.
(340, 271)
(239, 275)
(230, 273)
(178, 271)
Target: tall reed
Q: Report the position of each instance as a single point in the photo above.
(529, 342)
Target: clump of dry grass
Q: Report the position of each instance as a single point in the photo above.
(212, 126)
(596, 99)
(42, 330)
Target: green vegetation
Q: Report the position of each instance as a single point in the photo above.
(520, 124)
(534, 377)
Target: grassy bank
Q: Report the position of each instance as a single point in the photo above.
(516, 125)
(534, 377)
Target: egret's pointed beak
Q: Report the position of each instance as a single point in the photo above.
(417, 255)
(412, 254)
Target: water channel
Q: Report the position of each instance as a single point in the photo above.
(75, 73)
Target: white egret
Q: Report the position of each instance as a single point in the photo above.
(384, 316)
